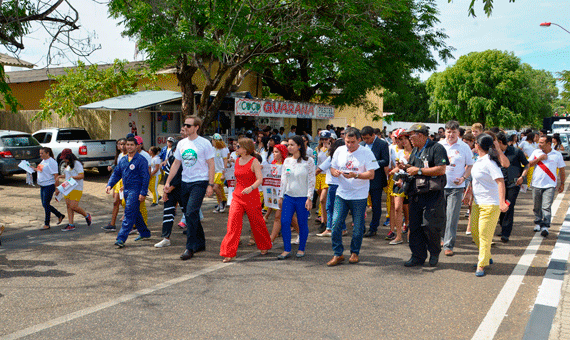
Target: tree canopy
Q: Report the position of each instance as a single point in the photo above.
(302, 48)
(487, 7)
(409, 103)
(493, 88)
(85, 84)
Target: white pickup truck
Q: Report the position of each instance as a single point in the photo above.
(92, 153)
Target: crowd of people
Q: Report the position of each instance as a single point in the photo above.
(426, 179)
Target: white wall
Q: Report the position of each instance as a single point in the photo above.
(405, 125)
(120, 125)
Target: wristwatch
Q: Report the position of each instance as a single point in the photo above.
(210, 184)
(356, 176)
(420, 171)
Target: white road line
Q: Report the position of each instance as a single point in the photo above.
(90, 310)
(488, 328)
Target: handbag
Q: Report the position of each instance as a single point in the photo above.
(423, 184)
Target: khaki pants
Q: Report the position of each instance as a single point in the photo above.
(483, 222)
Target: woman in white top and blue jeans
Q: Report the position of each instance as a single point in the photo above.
(297, 185)
(489, 199)
(47, 175)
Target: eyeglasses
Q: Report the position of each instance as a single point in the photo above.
(188, 125)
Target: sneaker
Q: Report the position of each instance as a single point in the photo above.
(467, 213)
(536, 227)
(309, 216)
(216, 210)
(326, 233)
(88, 219)
(182, 225)
(120, 244)
(405, 229)
(154, 204)
(322, 227)
(109, 228)
(164, 243)
(142, 238)
(387, 223)
(391, 235)
(544, 231)
(69, 227)
(297, 240)
(467, 233)
(223, 207)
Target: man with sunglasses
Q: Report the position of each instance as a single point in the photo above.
(196, 155)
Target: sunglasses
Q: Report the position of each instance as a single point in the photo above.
(188, 125)
(238, 146)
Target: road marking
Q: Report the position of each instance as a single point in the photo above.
(490, 324)
(90, 310)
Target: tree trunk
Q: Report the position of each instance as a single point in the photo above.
(208, 112)
(184, 74)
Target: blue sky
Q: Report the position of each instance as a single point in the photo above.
(512, 27)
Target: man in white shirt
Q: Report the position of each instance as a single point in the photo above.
(293, 131)
(459, 168)
(196, 156)
(354, 167)
(544, 182)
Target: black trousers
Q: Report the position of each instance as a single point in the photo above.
(427, 219)
(506, 218)
(192, 196)
(174, 198)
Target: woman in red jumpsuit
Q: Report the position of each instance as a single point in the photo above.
(245, 199)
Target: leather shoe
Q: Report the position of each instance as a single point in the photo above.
(187, 255)
(336, 260)
(448, 252)
(433, 260)
(412, 262)
(353, 258)
(369, 233)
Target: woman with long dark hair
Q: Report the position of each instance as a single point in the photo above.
(488, 197)
(74, 169)
(297, 186)
(47, 176)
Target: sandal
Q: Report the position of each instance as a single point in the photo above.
(45, 227)
(227, 259)
(60, 219)
(251, 242)
(264, 252)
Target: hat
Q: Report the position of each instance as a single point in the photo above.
(276, 139)
(139, 140)
(217, 136)
(171, 139)
(399, 133)
(129, 135)
(283, 149)
(325, 134)
(418, 127)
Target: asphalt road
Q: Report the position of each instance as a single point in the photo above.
(76, 285)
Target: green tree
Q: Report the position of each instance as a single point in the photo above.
(410, 103)
(492, 88)
(487, 7)
(356, 46)
(84, 84)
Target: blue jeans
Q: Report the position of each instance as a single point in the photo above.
(192, 196)
(132, 216)
(290, 206)
(46, 194)
(341, 207)
(330, 207)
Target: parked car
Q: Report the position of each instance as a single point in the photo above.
(92, 153)
(16, 146)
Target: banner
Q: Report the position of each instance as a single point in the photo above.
(231, 182)
(271, 185)
(274, 108)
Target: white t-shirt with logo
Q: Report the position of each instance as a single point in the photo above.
(48, 169)
(554, 161)
(358, 161)
(460, 156)
(77, 169)
(485, 188)
(219, 155)
(153, 163)
(193, 155)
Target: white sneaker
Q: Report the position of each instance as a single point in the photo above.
(467, 233)
(326, 233)
(164, 243)
(217, 210)
(536, 227)
(297, 241)
(222, 207)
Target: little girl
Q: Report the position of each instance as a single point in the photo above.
(155, 174)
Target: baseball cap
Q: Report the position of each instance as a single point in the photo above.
(417, 127)
(276, 139)
(129, 135)
(139, 140)
(325, 134)
(171, 139)
(217, 136)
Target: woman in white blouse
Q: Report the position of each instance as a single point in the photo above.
(297, 185)
(489, 199)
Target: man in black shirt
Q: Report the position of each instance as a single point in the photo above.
(427, 210)
(515, 175)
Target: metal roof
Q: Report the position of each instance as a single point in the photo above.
(136, 101)
(11, 61)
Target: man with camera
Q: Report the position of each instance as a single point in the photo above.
(426, 168)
